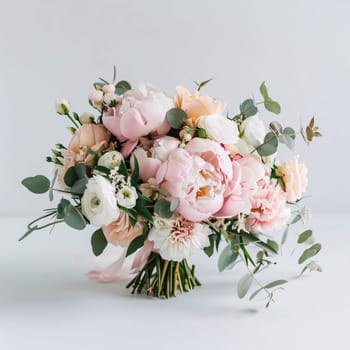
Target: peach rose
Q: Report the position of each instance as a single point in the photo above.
(196, 105)
(294, 177)
(121, 232)
(87, 137)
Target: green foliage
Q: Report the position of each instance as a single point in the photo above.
(202, 84)
(311, 266)
(268, 286)
(135, 173)
(227, 258)
(176, 117)
(269, 103)
(98, 242)
(269, 146)
(248, 108)
(243, 285)
(162, 208)
(37, 184)
(137, 242)
(310, 252)
(122, 87)
(303, 237)
(74, 218)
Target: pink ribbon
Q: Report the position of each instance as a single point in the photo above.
(116, 272)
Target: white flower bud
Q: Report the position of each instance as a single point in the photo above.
(86, 118)
(109, 88)
(111, 98)
(110, 160)
(127, 197)
(62, 106)
(96, 97)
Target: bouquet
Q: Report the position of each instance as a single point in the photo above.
(168, 177)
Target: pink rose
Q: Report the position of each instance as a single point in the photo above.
(269, 211)
(294, 179)
(247, 171)
(198, 176)
(139, 113)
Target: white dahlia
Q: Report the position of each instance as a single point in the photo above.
(176, 240)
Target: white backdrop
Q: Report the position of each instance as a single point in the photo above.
(52, 49)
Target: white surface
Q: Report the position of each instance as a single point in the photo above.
(47, 303)
(53, 49)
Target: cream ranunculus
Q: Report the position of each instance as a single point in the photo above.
(294, 178)
(219, 128)
(253, 130)
(99, 203)
(110, 160)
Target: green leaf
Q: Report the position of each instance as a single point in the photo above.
(276, 127)
(123, 170)
(290, 132)
(310, 252)
(312, 266)
(285, 235)
(137, 242)
(296, 219)
(98, 242)
(102, 169)
(99, 86)
(248, 107)
(79, 186)
(61, 208)
(267, 246)
(243, 285)
(272, 106)
(142, 210)
(226, 258)
(37, 184)
(303, 237)
(209, 250)
(80, 170)
(135, 173)
(273, 244)
(52, 185)
(202, 84)
(176, 117)
(70, 176)
(268, 286)
(162, 208)
(263, 91)
(269, 146)
(121, 87)
(74, 218)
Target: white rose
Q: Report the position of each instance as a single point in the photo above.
(99, 203)
(62, 106)
(253, 130)
(219, 128)
(127, 197)
(110, 160)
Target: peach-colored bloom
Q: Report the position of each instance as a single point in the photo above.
(87, 137)
(268, 209)
(294, 178)
(196, 105)
(121, 232)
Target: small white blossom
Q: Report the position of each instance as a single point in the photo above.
(86, 118)
(110, 160)
(62, 106)
(127, 197)
(108, 88)
(111, 99)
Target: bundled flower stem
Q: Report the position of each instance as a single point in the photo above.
(166, 177)
(163, 278)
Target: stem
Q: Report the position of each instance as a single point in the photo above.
(72, 120)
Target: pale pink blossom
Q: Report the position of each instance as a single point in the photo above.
(198, 176)
(139, 113)
(295, 180)
(269, 211)
(247, 171)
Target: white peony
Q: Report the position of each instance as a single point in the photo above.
(99, 203)
(163, 146)
(127, 197)
(62, 106)
(177, 240)
(219, 128)
(253, 131)
(110, 160)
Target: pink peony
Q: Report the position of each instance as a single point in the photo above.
(139, 113)
(294, 178)
(198, 176)
(247, 171)
(269, 211)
